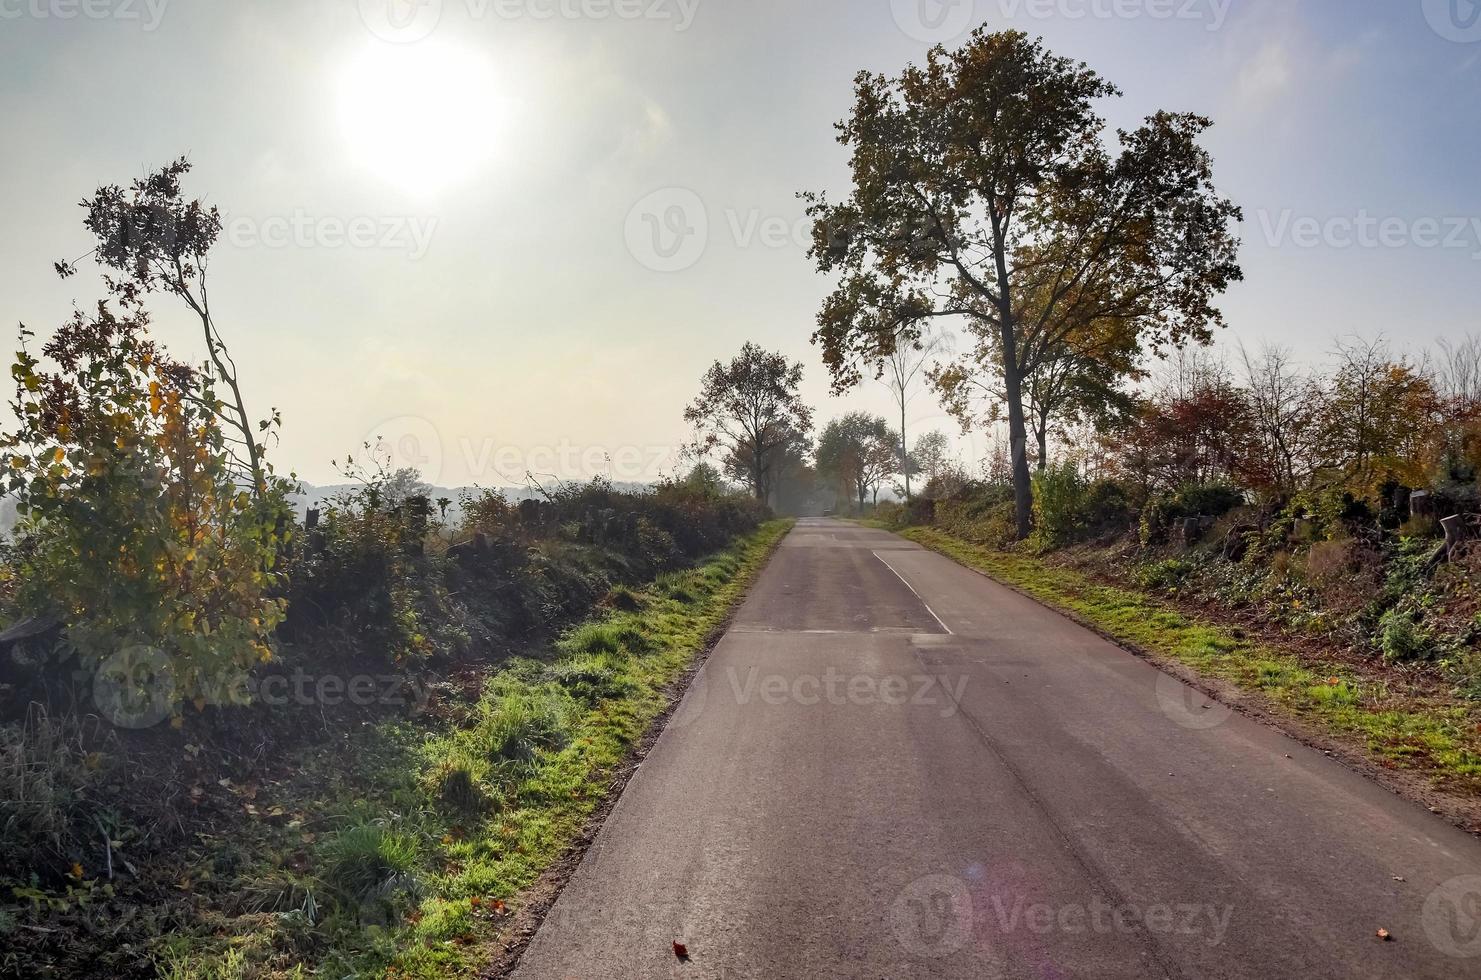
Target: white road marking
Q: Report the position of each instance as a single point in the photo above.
(900, 630)
(914, 593)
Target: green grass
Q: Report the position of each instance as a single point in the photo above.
(437, 827)
(1424, 732)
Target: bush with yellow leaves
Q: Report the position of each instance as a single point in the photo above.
(135, 530)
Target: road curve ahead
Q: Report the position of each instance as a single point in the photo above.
(893, 767)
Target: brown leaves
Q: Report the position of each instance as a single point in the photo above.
(681, 950)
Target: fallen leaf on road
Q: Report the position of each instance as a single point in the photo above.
(1383, 934)
(680, 950)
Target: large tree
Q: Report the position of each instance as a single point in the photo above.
(983, 189)
(751, 410)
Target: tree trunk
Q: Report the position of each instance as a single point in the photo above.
(1041, 433)
(1023, 489)
(904, 448)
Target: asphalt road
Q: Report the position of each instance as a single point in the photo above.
(893, 767)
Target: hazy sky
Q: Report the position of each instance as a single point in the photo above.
(454, 223)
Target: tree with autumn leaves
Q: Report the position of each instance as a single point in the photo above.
(751, 411)
(142, 532)
(983, 191)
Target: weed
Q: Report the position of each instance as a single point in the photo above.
(370, 860)
(588, 679)
(593, 638)
(517, 723)
(457, 786)
(1402, 639)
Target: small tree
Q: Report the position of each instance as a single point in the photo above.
(155, 240)
(1285, 410)
(1382, 418)
(901, 371)
(751, 409)
(931, 455)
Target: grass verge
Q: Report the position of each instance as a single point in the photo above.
(1401, 726)
(403, 852)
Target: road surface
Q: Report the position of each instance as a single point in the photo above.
(893, 767)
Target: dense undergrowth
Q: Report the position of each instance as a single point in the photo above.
(418, 746)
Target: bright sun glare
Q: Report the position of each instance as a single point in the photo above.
(421, 116)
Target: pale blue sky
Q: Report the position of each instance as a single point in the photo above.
(493, 166)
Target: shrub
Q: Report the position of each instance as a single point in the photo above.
(890, 513)
(134, 531)
(1402, 639)
(1059, 495)
(1165, 575)
(1160, 513)
(1106, 506)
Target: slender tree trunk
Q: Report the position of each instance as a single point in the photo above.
(1023, 490)
(1041, 433)
(904, 449)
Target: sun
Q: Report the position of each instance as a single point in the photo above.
(421, 116)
